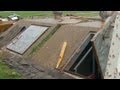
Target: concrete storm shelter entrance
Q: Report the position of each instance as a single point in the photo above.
(23, 41)
(25, 36)
(37, 44)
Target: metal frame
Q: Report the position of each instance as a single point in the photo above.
(83, 58)
(76, 54)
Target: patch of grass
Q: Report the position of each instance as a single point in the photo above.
(26, 13)
(47, 13)
(44, 40)
(7, 73)
(41, 43)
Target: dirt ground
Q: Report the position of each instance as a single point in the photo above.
(47, 56)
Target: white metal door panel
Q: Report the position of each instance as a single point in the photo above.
(22, 42)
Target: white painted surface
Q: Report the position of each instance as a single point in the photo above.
(113, 64)
(22, 42)
(14, 18)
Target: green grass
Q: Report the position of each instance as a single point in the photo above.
(26, 13)
(8, 73)
(43, 41)
(47, 13)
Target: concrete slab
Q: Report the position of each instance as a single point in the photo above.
(47, 20)
(47, 56)
(96, 24)
(101, 43)
(65, 20)
(113, 64)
